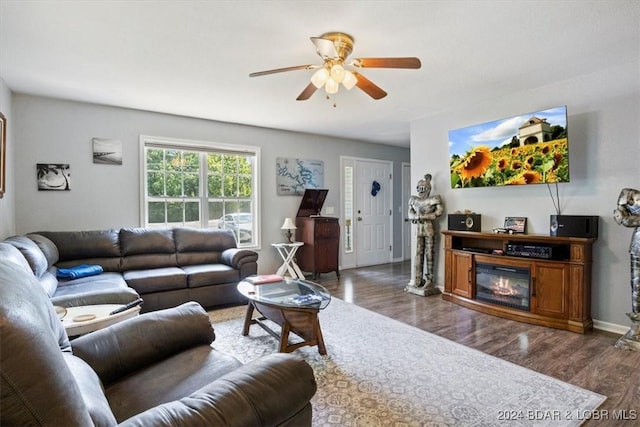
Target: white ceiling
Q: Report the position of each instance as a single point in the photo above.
(193, 58)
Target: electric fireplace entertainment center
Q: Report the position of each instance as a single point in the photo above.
(538, 279)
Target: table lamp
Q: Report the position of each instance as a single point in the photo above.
(288, 225)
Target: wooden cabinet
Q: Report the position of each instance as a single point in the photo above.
(461, 271)
(321, 238)
(550, 289)
(559, 286)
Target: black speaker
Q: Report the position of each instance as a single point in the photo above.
(573, 226)
(464, 222)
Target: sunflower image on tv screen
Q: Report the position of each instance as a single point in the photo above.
(530, 148)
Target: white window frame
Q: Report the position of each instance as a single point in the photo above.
(185, 144)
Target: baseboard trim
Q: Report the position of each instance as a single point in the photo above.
(610, 327)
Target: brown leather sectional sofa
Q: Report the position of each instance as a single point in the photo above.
(166, 267)
(157, 369)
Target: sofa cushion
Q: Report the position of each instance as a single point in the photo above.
(201, 246)
(127, 347)
(100, 247)
(49, 282)
(156, 279)
(107, 288)
(203, 240)
(149, 261)
(73, 245)
(92, 392)
(273, 390)
(48, 248)
(193, 258)
(210, 274)
(135, 241)
(146, 249)
(13, 254)
(31, 252)
(157, 384)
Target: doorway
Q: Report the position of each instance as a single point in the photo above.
(366, 211)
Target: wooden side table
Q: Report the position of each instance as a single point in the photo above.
(287, 252)
(97, 317)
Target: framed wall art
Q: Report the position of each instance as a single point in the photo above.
(293, 176)
(53, 177)
(107, 151)
(3, 155)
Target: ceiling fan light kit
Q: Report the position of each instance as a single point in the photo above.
(334, 48)
(320, 77)
(331, 78)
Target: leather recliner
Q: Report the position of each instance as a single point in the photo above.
(158, 369)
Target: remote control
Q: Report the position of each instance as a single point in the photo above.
(127, 307)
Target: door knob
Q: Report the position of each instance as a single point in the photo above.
(359, 218)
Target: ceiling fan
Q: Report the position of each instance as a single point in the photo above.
(334, 48)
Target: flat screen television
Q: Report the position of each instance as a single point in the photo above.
(312, 202)
(529, 148)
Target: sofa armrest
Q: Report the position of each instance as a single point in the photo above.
(125, 347)
(269, 391)
(237, 257)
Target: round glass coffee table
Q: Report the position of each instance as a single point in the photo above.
(292, 304)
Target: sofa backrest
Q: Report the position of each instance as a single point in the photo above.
(9, 252)
(101, 247)
(201, 246)
(48, 248)
(144, 248)
(37, 387)
(38, 262)
(128, 249)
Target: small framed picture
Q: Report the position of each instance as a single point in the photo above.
(515, 224)
(53, 177)
(107, 151)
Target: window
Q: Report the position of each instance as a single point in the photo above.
(201, 185)
(348, 208)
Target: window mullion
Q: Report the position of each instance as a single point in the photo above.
(203, 192)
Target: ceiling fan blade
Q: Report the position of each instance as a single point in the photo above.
(307, 92)
(325, 48)
(282, 70)
(410, 62)
(369, 87)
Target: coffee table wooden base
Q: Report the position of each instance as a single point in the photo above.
(303, 322)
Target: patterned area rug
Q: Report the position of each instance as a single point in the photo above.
(381, 372)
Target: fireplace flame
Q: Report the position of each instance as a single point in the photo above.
(503, 287)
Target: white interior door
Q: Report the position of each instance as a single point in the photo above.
(373, 213)
(406, 225)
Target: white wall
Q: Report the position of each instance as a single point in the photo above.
(604, 137)
(103, 196)
(7, 203)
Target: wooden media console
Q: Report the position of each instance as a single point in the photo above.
(559, 268)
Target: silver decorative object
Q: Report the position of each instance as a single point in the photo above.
(423, 211)
(627, 213)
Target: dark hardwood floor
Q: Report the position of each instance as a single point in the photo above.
(589, 361)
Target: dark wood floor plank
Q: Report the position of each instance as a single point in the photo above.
(589, 361)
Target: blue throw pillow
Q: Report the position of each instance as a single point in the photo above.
(82, 270)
